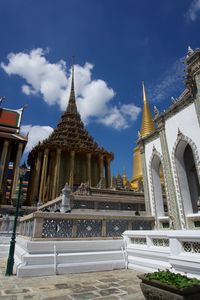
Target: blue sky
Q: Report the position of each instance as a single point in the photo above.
(116, 44)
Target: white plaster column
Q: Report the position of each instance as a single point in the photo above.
(65, 205)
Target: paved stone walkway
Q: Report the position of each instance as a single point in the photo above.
(111, 285)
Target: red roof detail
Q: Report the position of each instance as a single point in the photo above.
(9, 118)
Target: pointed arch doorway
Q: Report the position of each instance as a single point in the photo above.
(188, 178)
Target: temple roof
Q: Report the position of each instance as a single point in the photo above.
(10, 119)
(70, 133)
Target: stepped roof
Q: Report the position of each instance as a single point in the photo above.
(70, 133)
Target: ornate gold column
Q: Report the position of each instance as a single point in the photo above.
(108, 179)
(30, 197)
(16, 169)
(89, 168)
(3, 161)
(101, 166)
(71, 176)
(44, 175)
(37, 175)
(56, 174)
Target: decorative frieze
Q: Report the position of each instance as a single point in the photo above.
(116, 227)
(89, 228)
(57, 228)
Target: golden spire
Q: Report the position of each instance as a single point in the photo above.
(147, 122)
(71, 107)
(125, 179)
(146, 128)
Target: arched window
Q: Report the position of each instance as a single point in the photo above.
(187, 177)
(158, 187)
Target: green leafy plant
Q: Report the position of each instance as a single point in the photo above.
(177, 280)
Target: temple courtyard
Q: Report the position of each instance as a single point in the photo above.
(110, 285)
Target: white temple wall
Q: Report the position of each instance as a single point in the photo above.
(187, 122)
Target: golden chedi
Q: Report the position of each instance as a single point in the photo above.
(147, 127)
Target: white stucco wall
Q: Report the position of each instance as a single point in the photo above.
(148, 154)
(186, 120)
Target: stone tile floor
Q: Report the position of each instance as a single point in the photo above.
(110, 285)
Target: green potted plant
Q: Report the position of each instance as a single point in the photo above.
(166, 285)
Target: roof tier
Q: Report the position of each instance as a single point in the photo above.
(70, 133)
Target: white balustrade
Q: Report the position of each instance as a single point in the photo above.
(179, 250)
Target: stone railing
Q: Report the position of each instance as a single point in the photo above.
(61, 225)
(178, 250)
(92, 202)
(6, 225)
(52, 205)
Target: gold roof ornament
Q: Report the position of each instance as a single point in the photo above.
(148, 125)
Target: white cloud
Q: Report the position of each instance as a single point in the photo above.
(121, 118)
(193, 10)
(41, 76)
(35, 134)
(169, 84)
(52, 81)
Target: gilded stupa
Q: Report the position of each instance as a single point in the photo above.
(70, 155)
(147, 127)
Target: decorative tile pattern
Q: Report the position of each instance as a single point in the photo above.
(57, 228)
(116, 227)
(139, 241)
(89, 228)
(83, 204)
(132, 206)
(108, 205)
(142, 225)
(193, 247)
(160, 242)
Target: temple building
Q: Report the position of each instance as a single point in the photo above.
(147, 128)
(12, 145)
(172, 151)
(69, 155)
(24, 182)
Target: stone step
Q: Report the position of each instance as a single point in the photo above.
(4, 249)
(48, 270)
(37, 258)
(43, 259)
(40, 246)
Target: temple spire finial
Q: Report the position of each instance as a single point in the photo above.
(71, 108)
(147, 121)
(144, 92)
